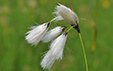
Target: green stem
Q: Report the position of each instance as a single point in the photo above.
(70, 28)
(84, 52)
(54, 19)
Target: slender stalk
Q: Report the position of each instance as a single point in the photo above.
(81, 42)
(54, 19)
(82, 47)
(70, 28)
(84, 52)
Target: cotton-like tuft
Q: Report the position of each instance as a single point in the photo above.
(55, 52)
(66, 14)
(37, 33)
(53, 34)
(57, 46)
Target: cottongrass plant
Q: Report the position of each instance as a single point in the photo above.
(39, 33)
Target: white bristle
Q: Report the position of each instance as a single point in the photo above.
(52, 34)
(55, 52)
(36, 34)
(66, 14)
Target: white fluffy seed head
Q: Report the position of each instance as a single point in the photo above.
(57, 46)
(37, 33)
(55, 52)
(66, 14)
(53, 34)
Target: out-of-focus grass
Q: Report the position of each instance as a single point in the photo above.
(17, 15)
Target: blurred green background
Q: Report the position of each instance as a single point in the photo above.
(17, 15)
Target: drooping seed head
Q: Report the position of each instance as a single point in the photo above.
(67, 14)
(53, 33)
(37, 33)
(55, 52)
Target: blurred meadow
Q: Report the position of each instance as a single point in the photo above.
(16, 16)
